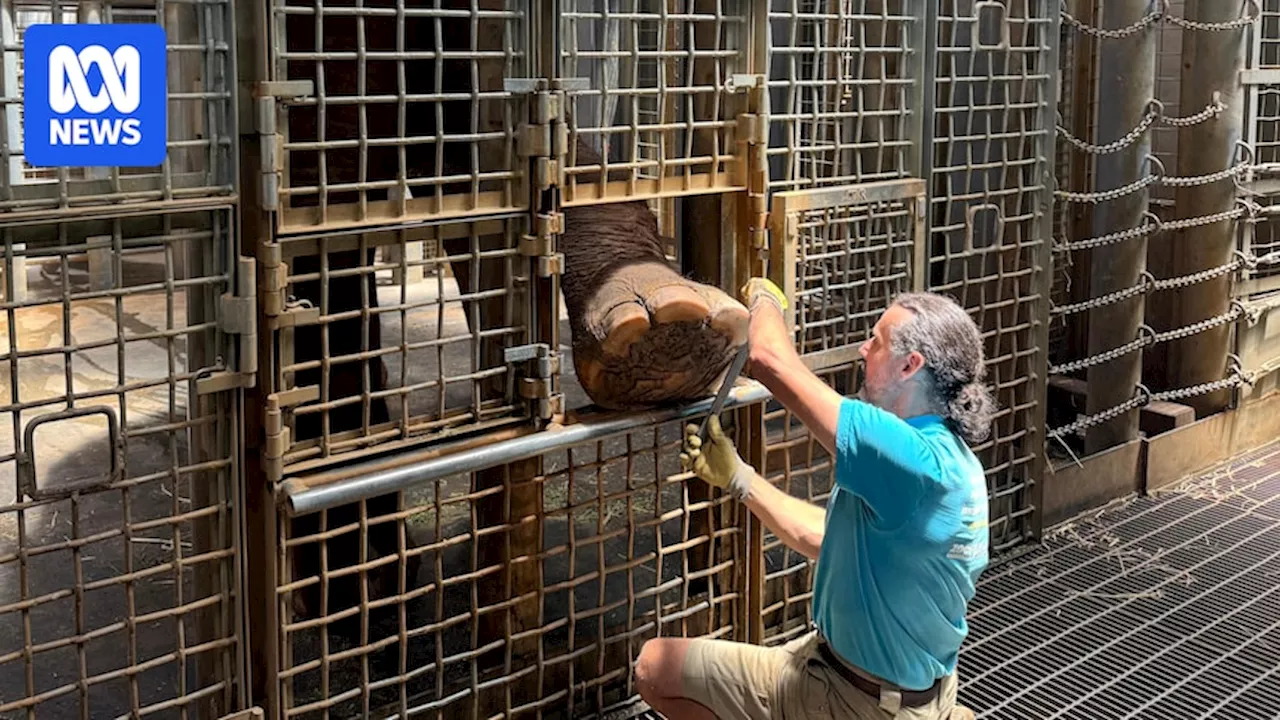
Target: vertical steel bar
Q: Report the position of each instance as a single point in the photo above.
(1080, 216)
(1128, 75)
(1212, 62)
(1044, 260)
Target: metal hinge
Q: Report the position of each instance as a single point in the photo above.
(271, 143)
(275, 433)
(543, 140)
(238, 317)
(280, 309)
(542, 244)
(537, 384)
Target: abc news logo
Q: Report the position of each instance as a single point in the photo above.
(95, 95)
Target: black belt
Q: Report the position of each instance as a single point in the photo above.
(910, 698)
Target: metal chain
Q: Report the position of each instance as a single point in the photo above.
(1149, 228)
(1138, 401)
(1187, 223)
(1235, 313)
(1166, 180)
(1104, 300)
(1144, 397)
(1160, 15)
(1217, 107)
(1202, 389)
(1155, 113)
(1149, 284)
(1147, 121)
(1197, 278)
(1194, 180)
(1147, 338)
(1118, 33)
(1106, 195)
(1211, 27)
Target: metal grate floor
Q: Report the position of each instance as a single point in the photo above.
(1159, 607)
(1163, 608)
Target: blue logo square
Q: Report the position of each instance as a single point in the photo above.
(95, 95)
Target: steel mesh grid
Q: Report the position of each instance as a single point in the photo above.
(118, 514)
(656, 117)
(199, 160)
(1160, 607)
(408, 117)
(798, 465)
(526, 590)
(393, 364)
(1262, 238)
(841, 87)
(993, 129)
(850, 261)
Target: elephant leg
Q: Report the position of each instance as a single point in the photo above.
(642, 333)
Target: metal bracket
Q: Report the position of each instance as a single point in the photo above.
(238, 317)
(543, 366)
(281, 311)
(542, 245)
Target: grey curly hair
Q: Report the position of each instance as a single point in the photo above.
(942, 332)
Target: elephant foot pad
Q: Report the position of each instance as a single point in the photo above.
(658, 337)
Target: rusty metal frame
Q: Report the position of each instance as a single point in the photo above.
(1017, 80)
(201, 160)
(172, 498)
(516, 592)
(876, 211)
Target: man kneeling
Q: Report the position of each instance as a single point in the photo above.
(899, 547)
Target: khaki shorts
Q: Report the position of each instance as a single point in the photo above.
(789, 682)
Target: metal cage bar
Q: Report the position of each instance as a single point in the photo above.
(119, 540)
(392, 113)
(650, 99)
(201, 158)
(410, 602)
(991, 225)
(375, 365)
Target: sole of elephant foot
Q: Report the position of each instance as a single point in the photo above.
(672, 342)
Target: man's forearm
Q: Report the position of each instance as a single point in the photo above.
(777, 365)
(799, 524)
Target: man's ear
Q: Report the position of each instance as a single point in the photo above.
(914, 364)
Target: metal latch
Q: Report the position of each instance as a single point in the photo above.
(537, 385)
(281, 310)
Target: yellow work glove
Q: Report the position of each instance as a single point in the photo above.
(718, 463)
(760, 289)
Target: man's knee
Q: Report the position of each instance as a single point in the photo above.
(658, 669)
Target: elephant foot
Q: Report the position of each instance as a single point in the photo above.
(657, 337)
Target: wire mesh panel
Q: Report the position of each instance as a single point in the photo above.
(369, 365)
(524, 589)
(846, 252)
(845, 90)
(200, 157)
(993, 130)
(403, 114)
(119, 506)
(1261, 238)
(798, 465)
(651, 103)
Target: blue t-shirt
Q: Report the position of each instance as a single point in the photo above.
(906, 539)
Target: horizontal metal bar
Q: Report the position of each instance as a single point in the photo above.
(1260, 76)
(300, 499)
